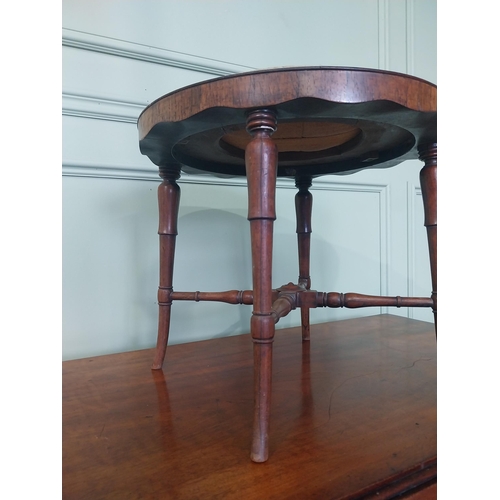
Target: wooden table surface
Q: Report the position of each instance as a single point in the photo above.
(353, 416)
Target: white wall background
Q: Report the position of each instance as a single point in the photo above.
(368, 233)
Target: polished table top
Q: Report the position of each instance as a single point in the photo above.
(353, 411)
(329, 120)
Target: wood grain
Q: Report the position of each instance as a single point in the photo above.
(327, 120)
(268, 88)
(353, 413)
(330, 120)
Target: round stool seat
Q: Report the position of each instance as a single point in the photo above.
(329, 121)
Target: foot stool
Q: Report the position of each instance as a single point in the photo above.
(299, 123)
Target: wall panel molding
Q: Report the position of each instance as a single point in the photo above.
(130, 50)
(410, 37)
(368, 227)
(325, 183)
(106, 171)
(414, 196)
(383, 34)
(82, 106)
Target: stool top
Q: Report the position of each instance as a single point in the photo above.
(330, 120)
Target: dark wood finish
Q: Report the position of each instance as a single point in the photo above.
(168, 204)
(354, 411)
(261, 160)
(299, 123)
(355, 300)
(229, 297)
(428, 181)
(393, 112)
(291, 296)
(303, 210)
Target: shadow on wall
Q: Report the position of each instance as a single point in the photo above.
(111, 265)
(212, 254)
(213, 247)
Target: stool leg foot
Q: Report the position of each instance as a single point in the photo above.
(428, 182)
(168, 205)
(262, 400)
(304, 319)
(162, 340)
(261, 158)
(303, 211)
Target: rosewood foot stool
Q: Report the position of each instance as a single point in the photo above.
(299, 123)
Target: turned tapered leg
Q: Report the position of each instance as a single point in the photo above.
(303, 209)
(428, 182)
(261, 158)
(168, 205)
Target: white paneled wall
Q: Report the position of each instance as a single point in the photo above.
(368, 235)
